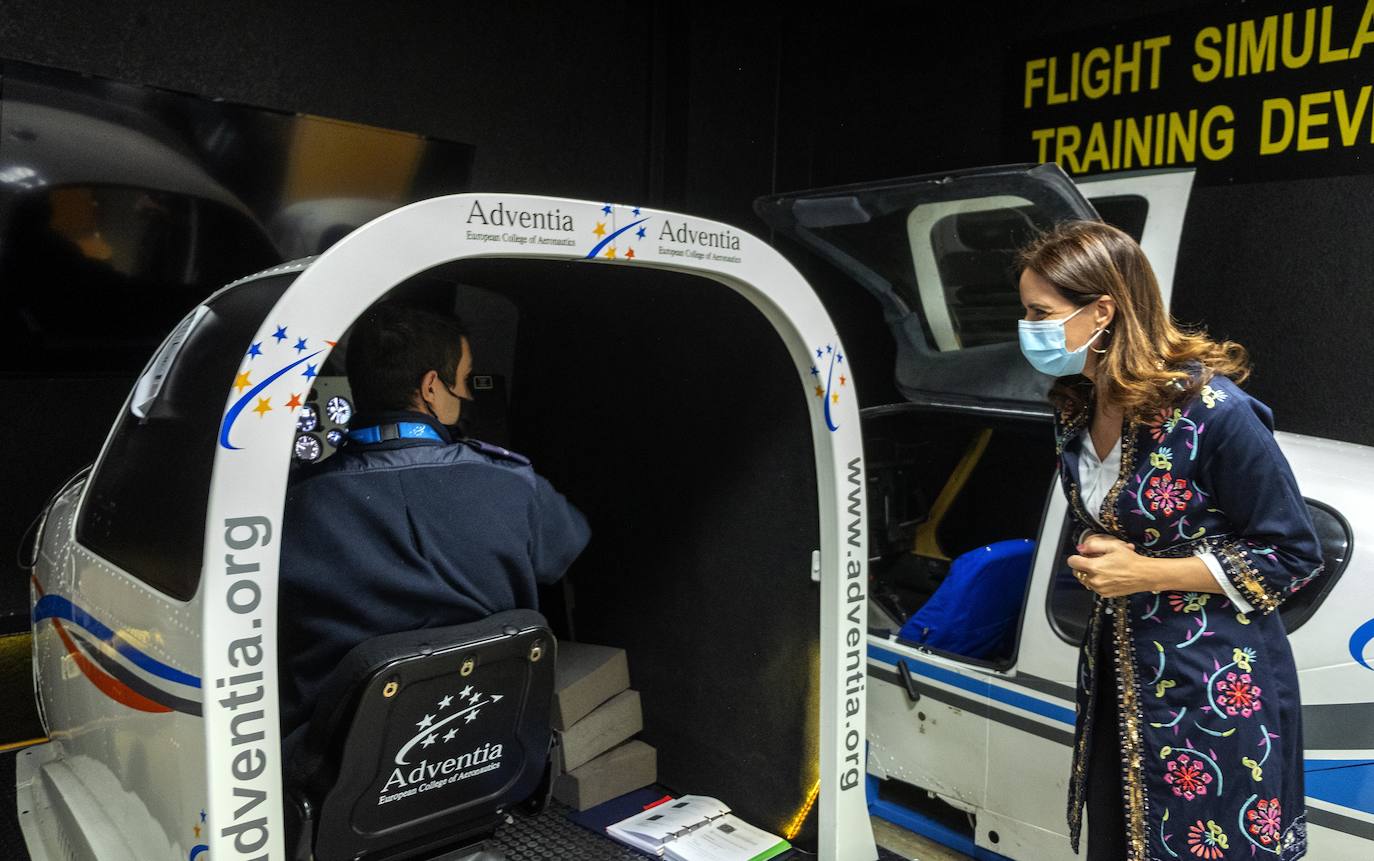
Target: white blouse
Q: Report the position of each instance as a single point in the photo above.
(1095, 479)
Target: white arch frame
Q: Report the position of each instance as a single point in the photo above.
(250, 469)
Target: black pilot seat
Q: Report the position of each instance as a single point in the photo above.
(421, 741)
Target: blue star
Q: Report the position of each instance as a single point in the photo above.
(300, 345)
(818, 352)
(636, 212)
(814, 371)
(838, 358)
(309, 372)
(640, 232)
(280, 334)
(255, 350)
(828, 348)
(202, 816)
(606, 209)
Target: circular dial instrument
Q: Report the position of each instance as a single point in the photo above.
(308, 448)
(339, 410)
(307, 419)
(334, 437)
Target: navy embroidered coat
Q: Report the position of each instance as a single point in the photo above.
(1210, 728)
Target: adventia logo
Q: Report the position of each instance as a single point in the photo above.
(501, 216)
(454, 712)
(685, 235)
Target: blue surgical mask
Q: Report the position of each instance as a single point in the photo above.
(1043, 345)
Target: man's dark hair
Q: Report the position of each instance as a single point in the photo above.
(393, 346)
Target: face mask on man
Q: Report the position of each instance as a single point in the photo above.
(1044, 345)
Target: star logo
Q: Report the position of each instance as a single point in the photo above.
(300, 346)
(255, 350)
(448, 736)
(465, 691)
(609, 230)
(280, 334)
(310, 373)
(242, 382)
(600, 228)
(827, 357)
(630, 255)
(640, 232)
(606, 209)
(429, 739)
(610, 252)
(264, 407)
(444, 703)
(426, 723)
(294, 402)
(472, 716)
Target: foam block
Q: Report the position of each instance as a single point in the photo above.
(621, 769)
(607, 726)
(586, 676)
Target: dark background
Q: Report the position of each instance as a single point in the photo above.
(702, 107)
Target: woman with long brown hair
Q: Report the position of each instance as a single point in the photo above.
(1189, 740)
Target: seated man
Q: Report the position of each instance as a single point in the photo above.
(409, 526)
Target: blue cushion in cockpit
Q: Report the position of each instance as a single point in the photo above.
(975, 610)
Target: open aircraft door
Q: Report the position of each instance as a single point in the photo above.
(156, 603)
(961, 463)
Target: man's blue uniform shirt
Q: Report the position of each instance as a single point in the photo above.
(407, 534)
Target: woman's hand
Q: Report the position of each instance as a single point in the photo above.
(1110, 567)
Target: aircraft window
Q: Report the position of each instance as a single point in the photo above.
(144, 509)
(308, 419)
(308, 448)
(1126, 211)
(1334, 534)
(1070, 604)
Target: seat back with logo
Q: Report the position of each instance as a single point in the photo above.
(422, 739)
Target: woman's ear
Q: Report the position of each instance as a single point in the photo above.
(1106, 312)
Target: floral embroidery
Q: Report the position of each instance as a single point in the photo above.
(1187, 602)
(1206, 840)
(1164, 424)
(1243, 657)
(1160, 459)
(1264, 821)
(1211, 397)
(1237, 695)
(1187, 777)
(1168, 493)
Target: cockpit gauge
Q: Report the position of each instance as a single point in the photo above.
(339, 410)
(308, 448)
(335, 437)
(308, 419)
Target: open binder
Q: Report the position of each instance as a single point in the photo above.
(696, 828)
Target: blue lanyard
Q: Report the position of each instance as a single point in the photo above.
(399, 430)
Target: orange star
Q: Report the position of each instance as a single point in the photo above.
(610, 252)
(630, 255)
(294, 402)
(196, 828)
(332, 343)
(820, 392)
(600, 228)
(835, 398)
(842, 379)
(264, 407)
(242, 382)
